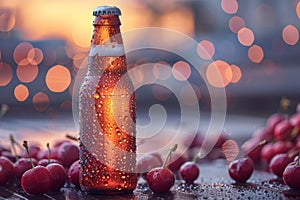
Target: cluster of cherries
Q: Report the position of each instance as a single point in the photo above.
(276, 145)
(39, 170)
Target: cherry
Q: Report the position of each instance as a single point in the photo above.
(58, 175)
(279, 163)
(298, 108)
(36, 180)
(161, 179)
(176, 160)
(9, 155)
(267, 152)
(295, 121)
(68, 153)
(252, 150)
(22, 165)
(283, 130)
(45, 162)
(73, 173)
(58, 143)
(291, 174)
(241, 170)
(263, 134)
(282, 147)
(6, 170)
(189, 172)
(221, 139)
(158, 156)
(33, 149)
(273, 120)
(193, 141)
(146, 163)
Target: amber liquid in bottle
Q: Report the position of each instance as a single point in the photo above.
(107, 114)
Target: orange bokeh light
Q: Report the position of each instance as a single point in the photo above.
(5, 74)
(58, 78)
(162, 70)
(236, 73)
(40, 101)
(298, 9)
(35, 56)
(246, 36)
(21, 53)
(7, 21)
(219, 73)
(230, 149)
(160, 92)
(21, 92)
(78, 59)
(181, 70)
(256, 53)
(27, 73)
(66, 105)
(236, 23)
(229, 6)
(206, 49)
(290, 35)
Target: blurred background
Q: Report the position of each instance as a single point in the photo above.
(254, 43)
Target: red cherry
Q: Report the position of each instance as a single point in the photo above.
(158, 156)
(282, 147)
(23, 165)
(283, 130)
(33, 150)
(291, 175)
(241, 170)
(36, 180)
(248, 147)
(9, 155)
(263, 134)
(176, 160)
(193, 141)
(220, 141)
(58, 175)
(6, 170)
(146, 163)
(73, 173)
(273, 120)
(58, 143)
(298, 108)
(68, 153)
(45, 162)
(160, 180)
(278, 163)
(189, 172)
(267, 152)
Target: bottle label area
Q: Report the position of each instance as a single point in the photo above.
(107, 50)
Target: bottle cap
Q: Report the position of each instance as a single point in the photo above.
(106, 10)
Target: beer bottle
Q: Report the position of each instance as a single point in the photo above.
(107, 111)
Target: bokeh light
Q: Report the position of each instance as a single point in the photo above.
(229, 6)
(27, 73)
(236, 73)
(298, 9)
(78, 59)
(5, 74)
(236, 23)
(219, 73)
(35, 56)
(246, 36)
(189, 97)
(230, 149)
(21, 53)
(206, 49)
(255, 53)
(160, 92)
(21, 92)
(162, 70)
(181, 70)
(58, 78)
(40, 101)
(7, 20)
(290, 35)
(66, 105)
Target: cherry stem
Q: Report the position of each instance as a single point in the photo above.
(13, 147)
(293, 152)
(25, 144)
(196, 157)
(285, 103)
(294, 133)
(262, 143)
(75, 138)
(49, 152)
(173, 149)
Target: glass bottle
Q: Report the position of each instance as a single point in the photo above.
(107, 111)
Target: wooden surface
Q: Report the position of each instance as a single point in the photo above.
(213, 183)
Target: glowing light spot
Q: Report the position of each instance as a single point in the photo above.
(78, 59)
(27, 73)
(66, 105)
(162, 70)
(298, 9)
(40, 101)
(21, 92)
(5, 74)
(206, 49)
(7, 21)
(58, 78)
(80, 36)
(160, 92)
(229, 6)
(290, 35)
(245, 36)
(181, 71)
(236, 23)
(21, 52)
(230, 149)
(219, 73)
(255, 54)
(35, 56)
(189, 94)
(236, 74)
